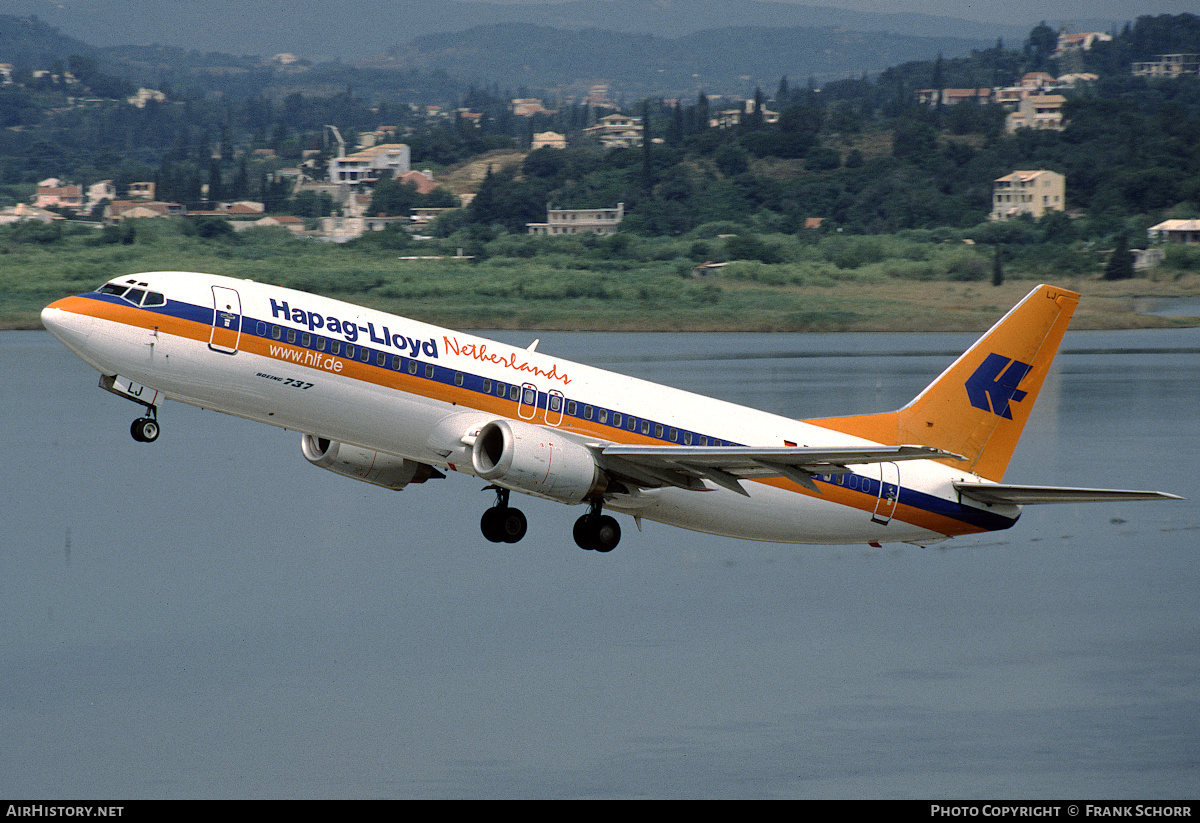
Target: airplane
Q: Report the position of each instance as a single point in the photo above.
(392, 401)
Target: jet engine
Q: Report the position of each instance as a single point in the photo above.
(364, 464)
(537, 461)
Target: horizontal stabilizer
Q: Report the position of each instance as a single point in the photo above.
(1011, 494)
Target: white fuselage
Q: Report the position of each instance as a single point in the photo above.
(417, 391)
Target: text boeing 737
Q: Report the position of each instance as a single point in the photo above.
(391, 401)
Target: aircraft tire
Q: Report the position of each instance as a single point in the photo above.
(607, 533)
(144, 430)
(600, 533)
(503, 524)
(513, 525)
(582, 533)
(491, 524)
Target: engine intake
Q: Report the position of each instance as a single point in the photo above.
(374, 467)
(537, 461)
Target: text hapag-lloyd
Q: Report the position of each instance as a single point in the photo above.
(349, 330)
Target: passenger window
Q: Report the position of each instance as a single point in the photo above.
(261, 330)
(501, 389)
(587, 412)
(381, 359)
(429, 370)
(674, 435)
(645, 427)
(658, 430)
(365, 356)
(487, 386)
(320, 343)
(604, 415)
(350, 350)
(397, 362)
(276, 332)
(633, 424)
(555, 402)
(306, 340)
(618, 418)
(412, 366)
(571, 408)
(335, 346)
(687, 438)
(458, 378)
(513, 392)
(291, 336)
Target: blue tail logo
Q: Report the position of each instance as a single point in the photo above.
(994, 384)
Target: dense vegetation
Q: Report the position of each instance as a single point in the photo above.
(858, 152)
(903, 190)
(863, 155)
(625, 281)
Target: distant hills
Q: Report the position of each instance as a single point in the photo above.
(358, 29)
(519, 55)
(732, 60)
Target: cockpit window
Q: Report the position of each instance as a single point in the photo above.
(136, 296)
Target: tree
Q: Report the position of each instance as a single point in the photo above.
(783, 94)
(1120, 262)
(647, 161)
(212, 228)
(701, 113)
(939, 83)
(216, 191)
(393, 198)
(1041, 44)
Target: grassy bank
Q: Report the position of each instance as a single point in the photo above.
(766, 283)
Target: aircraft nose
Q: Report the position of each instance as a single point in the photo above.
(71, 328)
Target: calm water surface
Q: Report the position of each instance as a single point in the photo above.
(210, 616)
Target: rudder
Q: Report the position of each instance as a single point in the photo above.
(978, 407)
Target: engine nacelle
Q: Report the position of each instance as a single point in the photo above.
(537, 461)
(363, 464)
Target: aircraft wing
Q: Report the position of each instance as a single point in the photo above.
(1011, 494)
(686, 467)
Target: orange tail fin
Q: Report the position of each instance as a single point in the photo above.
(978, 406)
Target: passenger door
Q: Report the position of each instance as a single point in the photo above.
(227, 320)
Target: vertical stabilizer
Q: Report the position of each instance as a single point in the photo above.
(978, 406)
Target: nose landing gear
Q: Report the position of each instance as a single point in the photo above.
(145, 429)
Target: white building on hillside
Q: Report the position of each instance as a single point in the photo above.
(580, 221)
(370, 165)
(1038, 111)
(1028, 192)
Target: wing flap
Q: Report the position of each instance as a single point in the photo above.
(727, 466)
(1018, 495)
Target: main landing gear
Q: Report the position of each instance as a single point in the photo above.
(145, 429)
(502, 523)
(593, 531)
